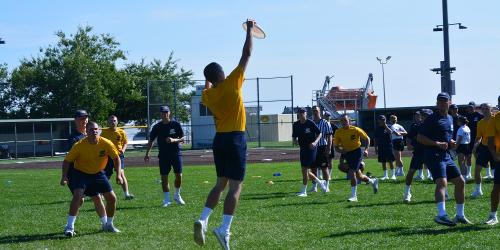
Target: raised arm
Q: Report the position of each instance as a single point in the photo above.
(247, 47)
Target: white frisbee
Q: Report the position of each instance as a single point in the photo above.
(257, 31)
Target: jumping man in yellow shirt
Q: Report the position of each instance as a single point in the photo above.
(224, 97)
(348, 142)
(89, 156)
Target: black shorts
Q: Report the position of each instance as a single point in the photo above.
(332, 152)
(354, 159)
(398, 144)
(230, 155)
(441, 165)
(307, 157)
(417, 160)
(385, 154)
(464, 149)
(496, 178)
(110, 166)
(321, 160)
(484, 156)
(169, 161)
(92, 184)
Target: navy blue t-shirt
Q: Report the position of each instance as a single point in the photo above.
(161, 131)
(455, 127)
(412, 135)
(306, 132)
(473, 118)
(74, 138)
(437, 128)
(382, 137)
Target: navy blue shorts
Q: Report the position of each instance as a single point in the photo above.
(307, 157)
(496, 179)
(354, 159)
(169, 161)
(417, 160)
(441, 165)
(92, 184)
(71, 169)
(111, 165)
(484, 156)
(230, 155)
(321, 160)
(464, 149)
(398, 144)
(385, 154)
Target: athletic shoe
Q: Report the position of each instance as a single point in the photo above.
(468, 177)
(302, 194)
(129, 197)
(69, 232)
(399, 172)
(375, 185)
(407, 198)
(477, 194)
(179, 200)
(200, 230)
(110, 228)
(313, 189)
(353, 199)
(166, 203)
(430, 178)
(327, 190)
(322, 186)
(488, 177)
(393, 177)
(384, 178)
(462, 220)
(222, 237)
(419, 178)
(444, 220)
(491, 221)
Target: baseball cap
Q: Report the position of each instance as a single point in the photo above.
(381, 117)
(472, 104)
(443, 95)
(80, 113)
(301, 110)
(453, 106)
(418, 112)
(426, 112)
(327, 113)
(164, 109)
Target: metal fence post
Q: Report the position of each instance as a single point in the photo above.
(51, 141)
(291, 92)
(149, 116)
(258, 114)
(15, 137)
(34, 141)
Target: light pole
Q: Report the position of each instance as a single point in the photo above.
(382, 62)
(2, 41)
(447, 85)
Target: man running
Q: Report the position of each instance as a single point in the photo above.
(383, 147)
(89, 157)
(493, 135)
(398, 133)
(119, 139)
(435, 135)
(170, 135)
(348, 142)
(323, 149)
(224, 98)
(481, 152)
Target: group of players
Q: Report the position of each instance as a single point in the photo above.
(318, 140)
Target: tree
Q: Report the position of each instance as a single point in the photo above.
(5, 95)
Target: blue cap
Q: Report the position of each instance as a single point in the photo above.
(453, 106)
(327, 113)
(301, 110)
(472, 104)
(164, 109)
(443, 95)
(426, 112)
(80, 113)
(381, 117)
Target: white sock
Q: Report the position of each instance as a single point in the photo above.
(109, 221)
(167, 196)
(393, 172)
(488, 171)
(441, 207)
(493, 214)
(420, 173)
(177, 191)
(478, 187)
(304, 188)
(385, 173)
(407, 189)
(226, 223)
(460, 210)
(104, 219)
(205, 213)
(353, 191)
(429, 173)
(469, 168)
(71, 221)
(126, 193)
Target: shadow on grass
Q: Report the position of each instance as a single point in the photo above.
(51, 203)
(445, 230)
(393, 203)
(365, 231)
(265, 196)
(22, 238)
(117, 209)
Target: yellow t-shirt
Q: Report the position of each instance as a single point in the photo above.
(225, 101)
(118, 137)
(91, 158)
(494, 130)
(482, 125)
(349, 138)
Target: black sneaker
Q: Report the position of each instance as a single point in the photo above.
(444, 220)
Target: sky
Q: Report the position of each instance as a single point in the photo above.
(308, 39)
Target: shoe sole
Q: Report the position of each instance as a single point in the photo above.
(69, 234)
(221, 240)
(198, 234)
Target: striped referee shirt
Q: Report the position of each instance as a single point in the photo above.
(326, 130)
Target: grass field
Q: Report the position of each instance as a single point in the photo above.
(33, 211)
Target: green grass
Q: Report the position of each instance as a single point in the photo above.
(33, 211)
